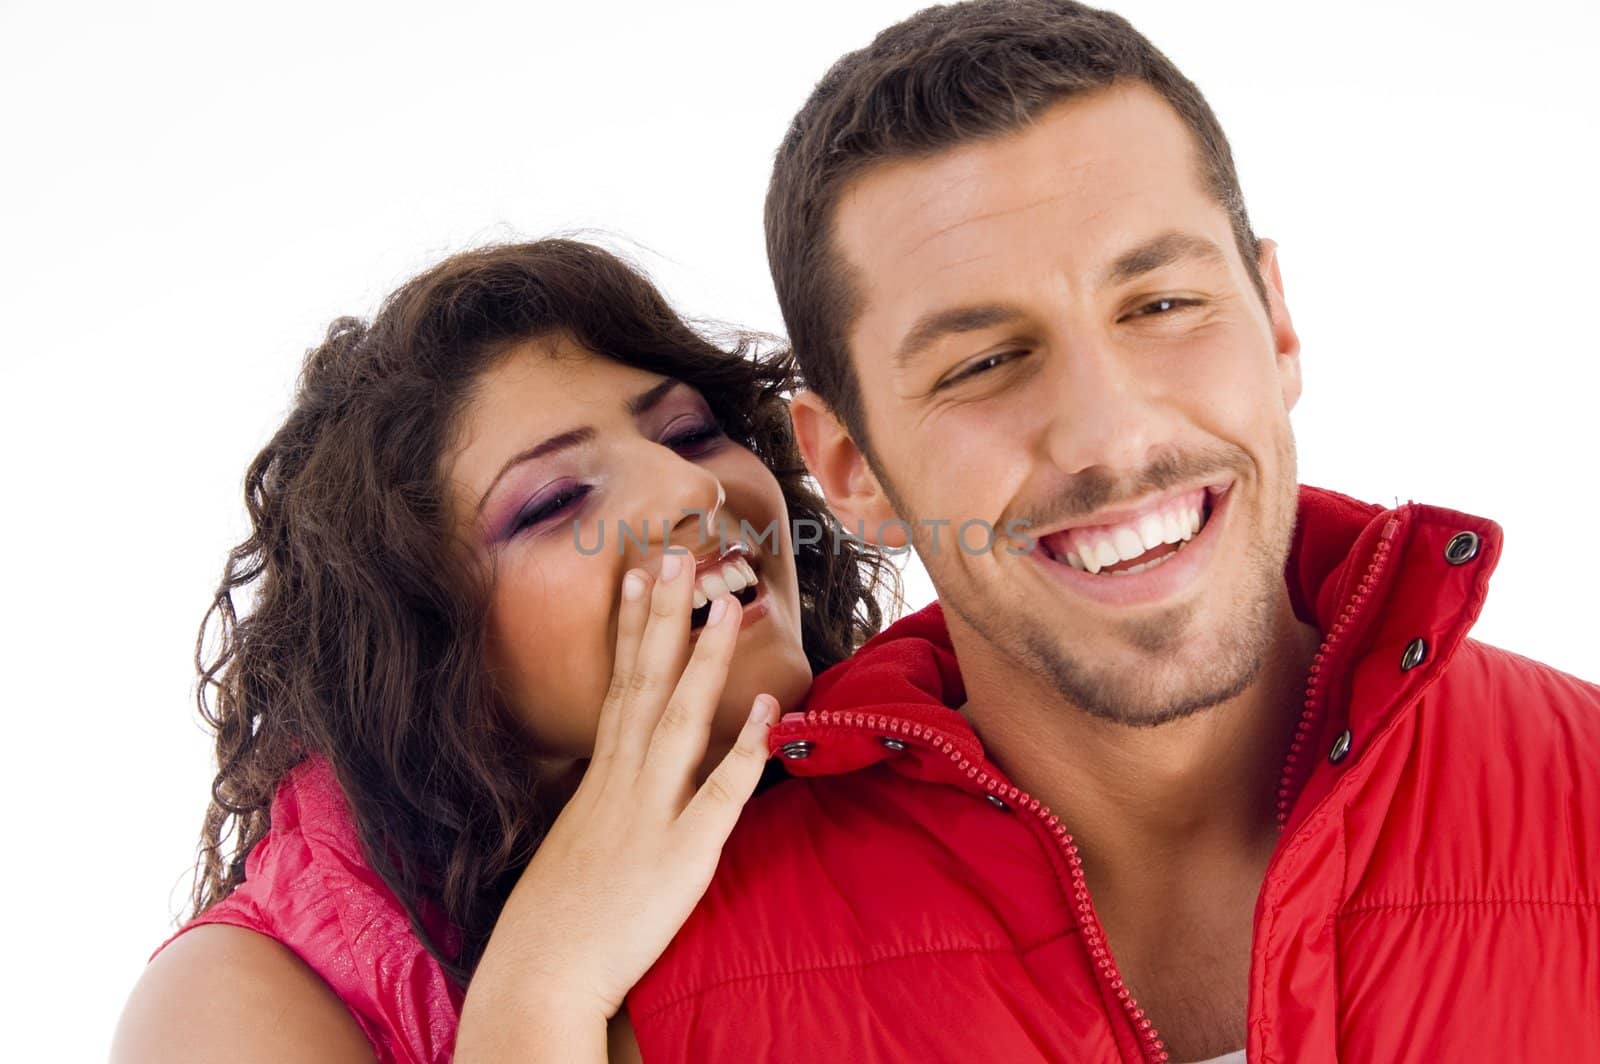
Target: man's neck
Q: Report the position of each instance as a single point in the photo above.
(1197, 789)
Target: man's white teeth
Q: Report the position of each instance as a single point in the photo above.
(1077, 563)
(1142, 566)
(733, 576)
(1153, 530)
(1092, 550)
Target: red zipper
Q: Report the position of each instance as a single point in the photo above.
(1294, 768)
(1094, 939)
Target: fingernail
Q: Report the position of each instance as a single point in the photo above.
(633, 585)
(763, 708)
(719, 610)
(671, 562)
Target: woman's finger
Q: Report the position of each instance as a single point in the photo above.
(662, 650)
(633, 611)
(680, 738)
(715, 807)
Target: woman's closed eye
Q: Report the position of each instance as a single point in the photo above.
(693, 438)
(559, 500)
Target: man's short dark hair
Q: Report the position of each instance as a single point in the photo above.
(943, 77)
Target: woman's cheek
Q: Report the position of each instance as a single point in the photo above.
(553, 640)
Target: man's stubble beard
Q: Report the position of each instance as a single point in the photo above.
(1171, 687)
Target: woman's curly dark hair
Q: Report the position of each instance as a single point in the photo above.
(365, 640)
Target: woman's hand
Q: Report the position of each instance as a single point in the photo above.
(635, 848)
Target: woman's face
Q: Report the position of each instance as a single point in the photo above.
(571, 469)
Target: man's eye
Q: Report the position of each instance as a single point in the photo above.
(1164, 306)
(982, 365)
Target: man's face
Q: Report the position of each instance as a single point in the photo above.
(1057, 328)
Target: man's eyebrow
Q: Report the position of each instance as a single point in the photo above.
(642, 403)
(938, 324)
(1161, 251)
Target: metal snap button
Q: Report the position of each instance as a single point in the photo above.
(1341, 747)
(890, 743)
(997, 803)
(1462, 548)
(1415, 652)
(798, 750)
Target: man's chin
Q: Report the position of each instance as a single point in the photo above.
(1151, 681)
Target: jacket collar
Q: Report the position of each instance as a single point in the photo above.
(1371, 580)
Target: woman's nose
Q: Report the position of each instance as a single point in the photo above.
(681, 500)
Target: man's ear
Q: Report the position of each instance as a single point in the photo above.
(841, 469)
(1285, 341)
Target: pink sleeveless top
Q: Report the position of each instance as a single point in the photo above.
(308, 886)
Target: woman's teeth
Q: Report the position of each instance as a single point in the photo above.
(731, 577)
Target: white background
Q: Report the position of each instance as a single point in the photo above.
(188, 193)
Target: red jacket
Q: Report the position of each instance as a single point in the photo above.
(1435, 895)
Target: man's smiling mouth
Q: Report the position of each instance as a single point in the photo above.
(1137, 540)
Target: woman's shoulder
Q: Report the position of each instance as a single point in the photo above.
(172, 1014)
(310, 908)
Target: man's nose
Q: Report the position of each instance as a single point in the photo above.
(1100, 408)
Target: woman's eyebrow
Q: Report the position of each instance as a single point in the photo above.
(640, 404)
(648, 399)
(570, 438)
